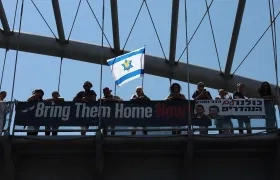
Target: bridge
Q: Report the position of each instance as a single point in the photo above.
(158, 155)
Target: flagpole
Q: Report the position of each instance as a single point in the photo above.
(115, 90)
(101, 63)
(143, 67)
(187, 67)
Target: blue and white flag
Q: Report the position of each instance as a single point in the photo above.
(127, 67)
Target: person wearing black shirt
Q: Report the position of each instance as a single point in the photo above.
(88, 96)
(201, 93)
(175, 95)
(37, 96)
(109, 98)
(239, 94)
(139, 97)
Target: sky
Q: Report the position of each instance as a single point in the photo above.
(38, 71)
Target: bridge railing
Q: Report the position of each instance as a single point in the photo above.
(203, 117)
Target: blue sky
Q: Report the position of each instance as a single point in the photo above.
(37, 71)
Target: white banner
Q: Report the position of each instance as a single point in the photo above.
(253, 108)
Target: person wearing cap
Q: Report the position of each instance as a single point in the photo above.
(55, 99)
(88, 96)
(139, 97)
(108, 97)
(37, 96)
(240, 94)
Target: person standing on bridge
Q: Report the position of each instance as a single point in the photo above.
(265, 92)
(108, 97)
(175, 95)
(139, 97)
(226, 121)
(202, 94)
(240, 94)
(37, 96)
(3, 110)
(55, 99)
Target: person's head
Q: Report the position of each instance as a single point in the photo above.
(213, 111)
(265, 87)
(240, 87)
(139, 91)
(107, 91)
(222, 93)
(175, 88)
(39, 93)
(55, 95)
(199, 109)
(3, 95)
(87, 85)
(200, 86)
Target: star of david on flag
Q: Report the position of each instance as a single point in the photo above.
(127, 67)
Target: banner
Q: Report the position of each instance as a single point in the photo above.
(252, 108)
(154, 113)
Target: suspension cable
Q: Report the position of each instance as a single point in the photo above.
(74, 20)
(133, 25)
(274, 43)
(213, 35)
(3, 68)
(44, 19)
(256, 43)
(187, 67)
(155, 29)
(101, 60)
(15, 16)
(195, 30)
(103, 33)
(59, 75)
(16, 62)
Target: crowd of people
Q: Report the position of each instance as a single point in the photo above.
(222, 123)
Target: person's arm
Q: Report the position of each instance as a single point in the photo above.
(146, 98)
(183, 97)
(209, 95)
(197, 97)
(235, 96)
(169, 97)
(32, 98)
(92, 97)
(133, 98)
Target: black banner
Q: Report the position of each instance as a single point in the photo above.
(126, 113)
(153, 113)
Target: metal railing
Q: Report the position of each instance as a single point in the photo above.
(160, 118)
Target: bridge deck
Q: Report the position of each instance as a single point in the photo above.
(139, 157)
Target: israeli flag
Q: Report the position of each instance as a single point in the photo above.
(127, 67)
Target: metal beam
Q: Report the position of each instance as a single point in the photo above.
(4, 20)
(115, 25)
(174, 29)
(234, 37)
(58, 20)
(153, 65)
